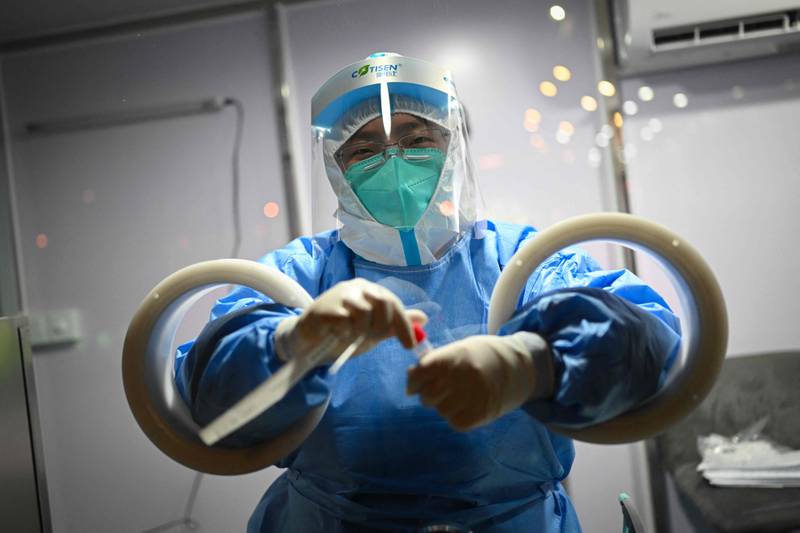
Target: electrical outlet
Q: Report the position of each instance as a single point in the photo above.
(61, 326)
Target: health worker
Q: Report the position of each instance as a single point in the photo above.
(457, 439)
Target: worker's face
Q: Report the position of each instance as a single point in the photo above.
(407, 131)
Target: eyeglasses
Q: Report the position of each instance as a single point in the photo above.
(351, 153)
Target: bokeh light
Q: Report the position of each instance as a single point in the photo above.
(606, 88)
(601, 140)
(655, 124)
(630, 151)
(537, 141)
(618, 119)
(557, 13)
(562, 137)
(646, 93)
(548, 88)
(594, 157)
(680, 100)
(530, 127)
(566, 126)
(630, 108)
(589, 103)
(532, 115)
(647, 133)
(271, 209)
(561, 73)
(532, 119)
(42, 241)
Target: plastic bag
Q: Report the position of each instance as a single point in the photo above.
(748, 459)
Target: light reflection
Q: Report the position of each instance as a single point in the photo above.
(537, 141)
(737, 92)
(548, 88)
(647, 133)
(530, 127)
(630, 151)
(532, 120)
(680, 100)
(630, 108)
(601, 140)
(588, 103)
(183, 242)
(42, 241)
(271, 209)
(566, 126)
(607, 130)
(568, 157)
(606, 88)
(87, 196)
(646, 93)
(594, 157)
(446, 208)
(557, 13)
(561, 73)
(601, 43)
(563, 137)
(655, 124)
(618, 119)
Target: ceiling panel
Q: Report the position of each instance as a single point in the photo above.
(30, 18)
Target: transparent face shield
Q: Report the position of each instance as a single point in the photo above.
(391, 161)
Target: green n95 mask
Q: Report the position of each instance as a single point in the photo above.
(395, 189)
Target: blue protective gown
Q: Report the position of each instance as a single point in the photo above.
(379, 460)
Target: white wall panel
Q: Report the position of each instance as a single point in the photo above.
(723, 172)
(121, 208)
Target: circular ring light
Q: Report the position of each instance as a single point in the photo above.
(701, 300)
(148, 367)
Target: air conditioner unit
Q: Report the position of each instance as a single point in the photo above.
(654, 35)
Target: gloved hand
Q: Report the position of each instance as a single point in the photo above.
(346, 311)
(478, 379)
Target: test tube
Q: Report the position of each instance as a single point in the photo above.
(423, 345)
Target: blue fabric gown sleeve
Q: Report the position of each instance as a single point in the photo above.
(235, 353)
(613, 338)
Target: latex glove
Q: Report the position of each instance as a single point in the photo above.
(347, 310)
(478, 379)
